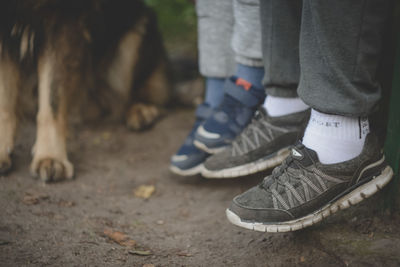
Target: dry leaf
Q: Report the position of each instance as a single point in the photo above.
(148, 265)
(33, 199)
(97, 141)
(120, 238)
(64, 203)
(184, 254)
(140, 252)
(59, 217)
(144, 191)
(106, 135)
(30, 200)
(302, 259)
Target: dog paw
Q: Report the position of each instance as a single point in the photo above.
(141, 116)
(52, 170)
(5, 163)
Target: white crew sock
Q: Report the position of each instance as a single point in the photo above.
(335, 138)
(280, 106)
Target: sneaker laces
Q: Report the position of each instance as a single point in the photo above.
(258, 129)
(280, 175)
(290, 173)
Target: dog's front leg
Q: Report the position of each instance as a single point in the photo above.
(9, 87)
(50, 161)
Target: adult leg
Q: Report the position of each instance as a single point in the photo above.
(264, 143)
(339, 54)
(339, 57)
(281, 30)
(338, 77)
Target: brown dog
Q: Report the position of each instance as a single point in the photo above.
(103, 58)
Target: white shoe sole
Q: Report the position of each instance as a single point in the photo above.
(357, 195)
(203, 147)
(249, 168)
(189, 172)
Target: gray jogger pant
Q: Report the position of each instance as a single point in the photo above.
(328, 50)
(229, 32)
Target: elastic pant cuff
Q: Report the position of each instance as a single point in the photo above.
(281, 91)
(252, 62)
(215, 72)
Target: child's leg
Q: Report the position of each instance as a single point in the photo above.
(216, 63)
(243, 91)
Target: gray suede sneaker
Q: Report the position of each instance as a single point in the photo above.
(262, 145)
(303, 191)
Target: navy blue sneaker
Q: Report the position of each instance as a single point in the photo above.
(189, 159)
(240, 102)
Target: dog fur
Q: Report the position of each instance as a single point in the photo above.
(92, 58)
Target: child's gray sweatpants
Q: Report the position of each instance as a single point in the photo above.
(229, 32)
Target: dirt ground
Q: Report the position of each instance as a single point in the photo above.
(181, 224)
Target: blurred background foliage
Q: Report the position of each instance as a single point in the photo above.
(177, 22)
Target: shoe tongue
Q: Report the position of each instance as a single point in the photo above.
(303, 155)
(261, 110)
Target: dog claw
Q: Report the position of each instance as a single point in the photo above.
(45, 171)
(52, 170)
